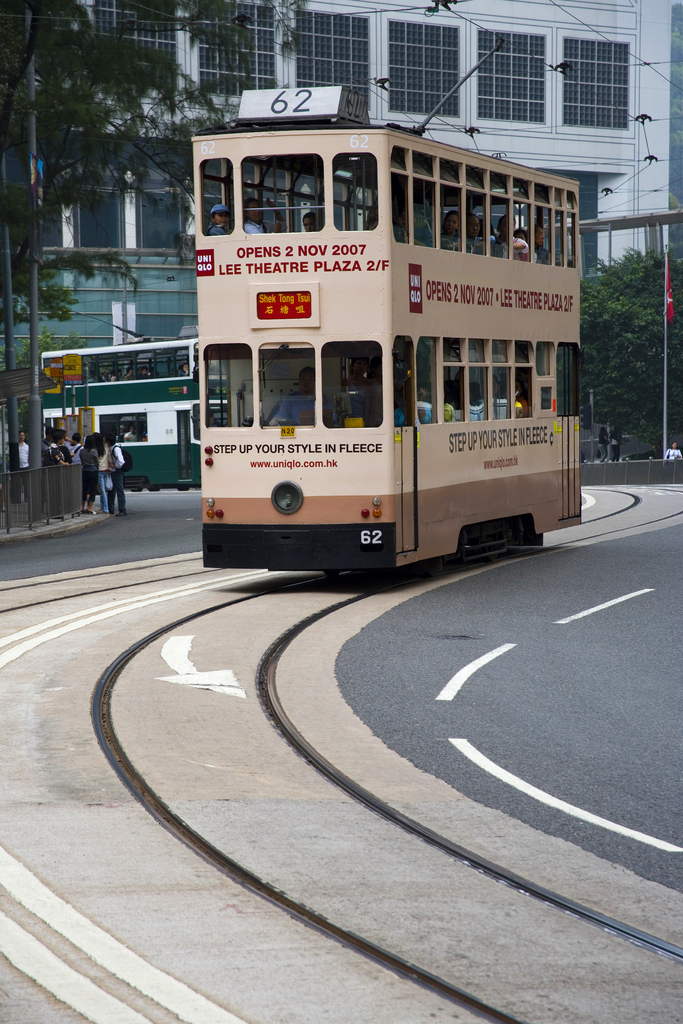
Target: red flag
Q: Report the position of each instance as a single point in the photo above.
(669, 296)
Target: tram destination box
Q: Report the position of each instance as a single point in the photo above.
(334, 103)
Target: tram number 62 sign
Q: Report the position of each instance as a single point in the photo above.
(371, 540)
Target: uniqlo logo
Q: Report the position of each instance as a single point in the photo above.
(205, 265)
(415, 283)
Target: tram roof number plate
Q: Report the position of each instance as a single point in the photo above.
(336, 102)
(293, 305)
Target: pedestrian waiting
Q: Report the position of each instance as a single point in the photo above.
(674, 452)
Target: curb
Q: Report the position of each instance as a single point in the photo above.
(78, 523)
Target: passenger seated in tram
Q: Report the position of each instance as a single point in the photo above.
(521, 397)
(541, 254)
(450, 231)
(298, 407)
(424, 408)
(308, 221)
(220, 220)
(475, 241)
(520, 246)
(499, 236)
(476, 401)
(451, 401)
(253, 218)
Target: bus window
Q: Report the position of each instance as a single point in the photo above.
(424, 372)
(352, 384)
(450, 217)
(520, 237)
(570, 238)
(126, 426)
(145, 365)
(423, 212)
(182, 363)
(106, 369)
(477, 375)
(399, 207)
(543, 358)
(283, 194)
(398, 158)
(500, 228)
(453, 377)
(217, 191)
(475, 221)
(229, 386)
(355, 192)
(559, 238)
(500, 379)
(196, 422)
(287, 385)
(541, 234)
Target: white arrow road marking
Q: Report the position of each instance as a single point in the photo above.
(453, 686)
(479, 759)
(601, 607)
(175, 653)
(587, 501)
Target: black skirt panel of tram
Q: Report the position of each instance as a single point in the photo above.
(343, 546)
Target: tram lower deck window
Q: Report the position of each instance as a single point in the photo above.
(288, 386)
(283, 194)
(453, 386)
(229, 386)
(352, 384)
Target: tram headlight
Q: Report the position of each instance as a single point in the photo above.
(287, 497)
(377, 502)
(210, 502)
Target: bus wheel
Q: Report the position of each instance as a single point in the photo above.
(154, 487)
(183, 487)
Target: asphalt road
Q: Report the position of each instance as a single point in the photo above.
(588, 711)
(157, 524)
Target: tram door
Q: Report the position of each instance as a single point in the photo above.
(184, 445)
(568, 420)
(405, 437)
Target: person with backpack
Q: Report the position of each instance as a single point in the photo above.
(118, 493)
(75, 447)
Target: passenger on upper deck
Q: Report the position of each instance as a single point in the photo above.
(220, 220)
(253, 218)
(520, 246)
(475, 242)
(450, 230)
(308, 221)
(298, 408)
(541, 254)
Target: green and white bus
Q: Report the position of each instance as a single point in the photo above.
(143, 393)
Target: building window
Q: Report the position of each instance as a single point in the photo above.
(423, 67)
(109, 15)
(255, 67)
(596, 85)
(333, 50)
(512, 82)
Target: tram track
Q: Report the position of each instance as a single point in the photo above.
(267, 687)
(91, 575)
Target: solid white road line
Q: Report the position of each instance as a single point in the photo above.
(479, 759)
(453, 686)
(105, 950)
(35, 960)
(587, 501)
(601, 607)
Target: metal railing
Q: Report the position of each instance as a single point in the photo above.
(31, 496)
(633, 471)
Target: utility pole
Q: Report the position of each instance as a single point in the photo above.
(590, 399)
(665, 426)
(35, 426)
(10, 351)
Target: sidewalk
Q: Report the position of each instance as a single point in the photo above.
(56, 528)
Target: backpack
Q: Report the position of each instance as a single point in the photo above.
(51, 456)
(127, 459)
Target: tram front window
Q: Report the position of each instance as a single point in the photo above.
(283, 194)
(355, 191)
(217, 193)
(352, 384)
(288, 387)
(229, 386)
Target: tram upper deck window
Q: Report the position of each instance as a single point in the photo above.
(352, 384)
(229, 386)
(500, 228)
(283, 194)
(541, 234)
(571, 221)
(217, 191)
(541, 194)
(520, 188)
(355, 191)
(523, 393)
(398, 159)
(498, 183)
(399, 207)
(520, 235)
(423, 212)
(475, 221)
(499, 351)
(559, 237)
(423, 164)
(287, 386)
(476, 350)
(474, 177)
(522, 352)
(449, 171)
(450, 218)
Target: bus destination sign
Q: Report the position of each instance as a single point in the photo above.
(294, 305)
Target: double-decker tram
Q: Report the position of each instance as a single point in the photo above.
(388, 336)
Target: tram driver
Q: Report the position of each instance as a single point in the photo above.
(297, 409)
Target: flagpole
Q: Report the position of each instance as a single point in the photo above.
(665, 431)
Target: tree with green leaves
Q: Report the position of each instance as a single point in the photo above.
(622, 329)
(114, 102)
(676, 126)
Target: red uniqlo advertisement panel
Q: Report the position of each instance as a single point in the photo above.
(205, 264)
(293, 305)
(415, 282)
